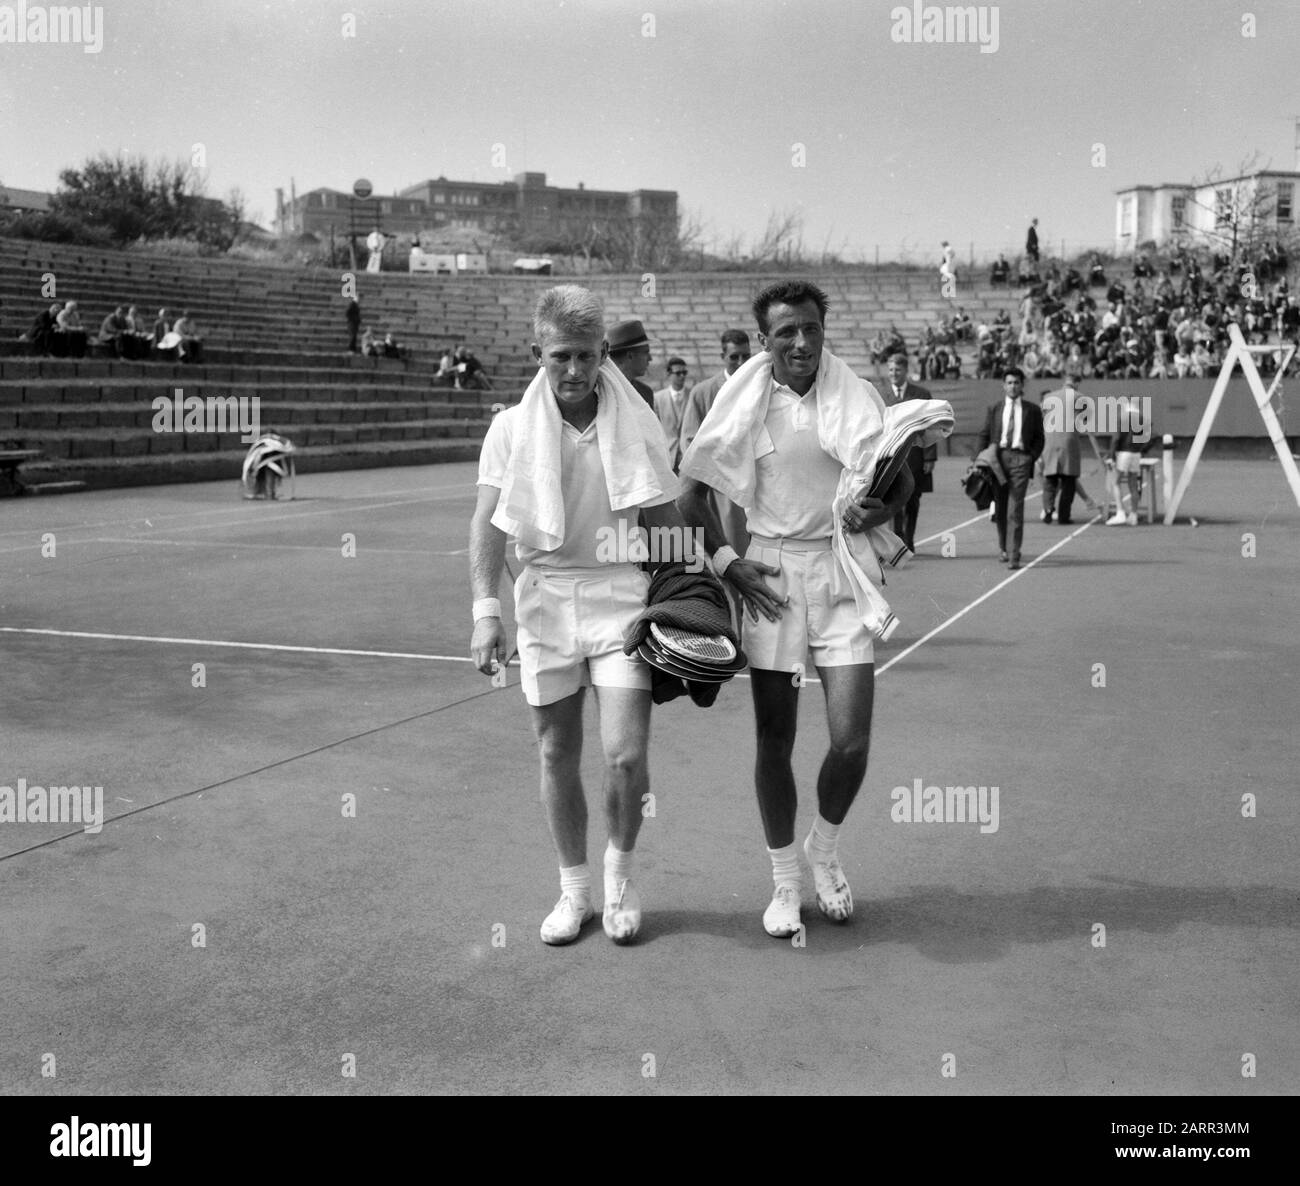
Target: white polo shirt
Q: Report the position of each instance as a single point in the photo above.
(588, 517)
(795, 483)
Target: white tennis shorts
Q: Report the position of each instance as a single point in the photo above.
(1128, 463)
(571, 625)
(820, 622)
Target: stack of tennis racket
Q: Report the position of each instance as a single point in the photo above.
(700, 658)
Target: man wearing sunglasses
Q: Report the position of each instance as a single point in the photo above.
(670, 403)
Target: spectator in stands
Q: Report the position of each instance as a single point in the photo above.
(391, 347)
(1289, 323)
(629, 350)
(1031, 242)
(138, 337)
(1096, 273)
(670, 404)
(353, 316)
(447, 367)
(190, 348)
(1000, 273)
(41, 335)
(963, 330)
(111, 330)
(369, 346)
(1203, 364)
(470, 374)
(69, 333)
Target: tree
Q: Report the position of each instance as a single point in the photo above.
(1243, 216)
(132, 199)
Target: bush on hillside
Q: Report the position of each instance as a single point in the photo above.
(55, 228)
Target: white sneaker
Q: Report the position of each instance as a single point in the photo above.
(1118, 519)
(622, 917)
(565, 921)
(834, 898)
(781, 918)
(1133, 519)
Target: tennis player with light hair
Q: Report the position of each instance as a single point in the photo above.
(569, 466)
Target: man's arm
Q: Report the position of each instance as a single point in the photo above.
(487, 557)
(746, 576)
(982, 442)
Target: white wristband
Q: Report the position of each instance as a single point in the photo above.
(487, 607)
(722, 559)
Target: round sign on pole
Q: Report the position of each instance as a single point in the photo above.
(362, 188)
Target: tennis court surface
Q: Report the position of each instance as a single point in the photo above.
(325, 841)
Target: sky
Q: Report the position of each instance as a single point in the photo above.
(744, 107)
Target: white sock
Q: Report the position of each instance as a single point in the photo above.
(618, 868)
(785, 866)
(576, 881)
(822, 840)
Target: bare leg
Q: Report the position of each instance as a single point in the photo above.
(559, 739)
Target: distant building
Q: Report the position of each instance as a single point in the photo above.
(1218, 214)
(23, 201)
(525, 207)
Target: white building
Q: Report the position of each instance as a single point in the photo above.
(1252, 206)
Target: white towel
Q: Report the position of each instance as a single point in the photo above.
(631, 442)
(852, 420)
(861, 553)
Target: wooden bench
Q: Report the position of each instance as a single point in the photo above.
(10, 460)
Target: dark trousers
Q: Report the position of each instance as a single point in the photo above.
(352, 337)
(1009, 502)
(905, 519)
(1065, 483)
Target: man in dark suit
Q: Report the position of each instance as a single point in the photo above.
(1016, 429)
(920, 460)
(1031, 241)
(629, 350)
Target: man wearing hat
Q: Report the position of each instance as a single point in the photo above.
(1016, 429)
(629, 350)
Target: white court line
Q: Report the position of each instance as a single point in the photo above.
(207, 543)
(961, 613)
(304, 650)
(246, 646)
(341, 508)
(241, 506)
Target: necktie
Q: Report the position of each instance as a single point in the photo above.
(1011, 427)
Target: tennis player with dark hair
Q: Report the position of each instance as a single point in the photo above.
(776, 442)
(568, 466)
